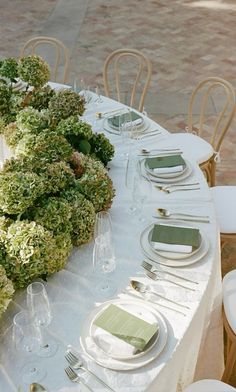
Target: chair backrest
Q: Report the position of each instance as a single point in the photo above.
(129, 69)
(222, 117)
(53, 51)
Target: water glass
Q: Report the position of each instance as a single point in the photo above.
(39, 306)
(104, 263)
(27, 338)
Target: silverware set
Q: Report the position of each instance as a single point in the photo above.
(163, 213)
(76, 363)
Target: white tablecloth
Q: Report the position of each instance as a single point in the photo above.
(195, 344)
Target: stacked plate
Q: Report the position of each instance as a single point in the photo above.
(111, 123)
(171, 175)
(111, 352)
(170, 258)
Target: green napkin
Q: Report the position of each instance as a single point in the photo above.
(176, 235)
(125, 326)
(165, 161)
(114, 121)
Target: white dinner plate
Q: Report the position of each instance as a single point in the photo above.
(167, 180)
(98, 355)
(149, 252)
(165, 175)
(173, 255)
(142, 128)
(105, 344)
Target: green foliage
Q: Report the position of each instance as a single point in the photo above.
(82, 216)
(19, 190)
(65, 103)
(47, 146)
(31, 252)
(40, 98)
(32, 120)
(34, 70)
(5, 97)
(102, 148)
(6, 290)
(9, 68)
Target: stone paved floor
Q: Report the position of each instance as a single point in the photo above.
(186, 41)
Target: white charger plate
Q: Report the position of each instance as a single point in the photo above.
(166, 180)
(173, 255)
(148, 251)
(98, 355)
(165, 175)
(112, 350)
(142, 128)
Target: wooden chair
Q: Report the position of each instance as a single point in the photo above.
(206, 152)
(209, 385)
(54, 50)
(229, 319)
(225, 204)
(128, 67)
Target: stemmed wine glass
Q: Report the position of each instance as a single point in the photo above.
(104, 261)
(39, 306)
(141, 192)
(27, 338)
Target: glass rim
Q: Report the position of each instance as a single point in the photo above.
(35, 288)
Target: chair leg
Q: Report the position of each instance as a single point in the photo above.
(212, 173)
(230, 361)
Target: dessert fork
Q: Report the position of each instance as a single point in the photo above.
(76, 363)
(74, 377)
(149, 267)
(156, 276)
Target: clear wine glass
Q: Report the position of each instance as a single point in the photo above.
(104, 261)
(125, 129)
(27, 338)
(39, 306)
(141, 192)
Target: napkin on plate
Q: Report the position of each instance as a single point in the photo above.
(175, 239)
(119, 331)
(136, 119)
(166, 164)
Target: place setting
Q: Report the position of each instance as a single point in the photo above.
(174, 244)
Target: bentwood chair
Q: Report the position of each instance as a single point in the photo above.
(209, 385)
(225, 204)
(53, 51)
(126, 76)
(203, 140)
(229, 319)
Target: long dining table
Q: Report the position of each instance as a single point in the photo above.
(194, 342)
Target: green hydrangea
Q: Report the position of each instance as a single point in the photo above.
(32, 120)
(5, 97)
(64, 104)
(63, 249)
(18, 191)
(39, 99)
(34, 70)
(54, 214)
(95, 184)
(12, 135)
(47, 146)
(6, 290)
(72, 126)
(102, 148)
(57, 176)
(82, 217)
(31, 252)
(9, 69)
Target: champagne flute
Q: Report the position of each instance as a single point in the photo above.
(125, 129)
(141, 193)
(39, 306)
(27, 338)
(103, 252)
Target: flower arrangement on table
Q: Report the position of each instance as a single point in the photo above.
(56, 181)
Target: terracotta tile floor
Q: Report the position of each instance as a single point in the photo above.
(186, 41)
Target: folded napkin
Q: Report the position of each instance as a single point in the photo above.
(135, 118)
(175, 239)
(121, 332)
(166, 164)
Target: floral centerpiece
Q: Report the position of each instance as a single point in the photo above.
(56, 181)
